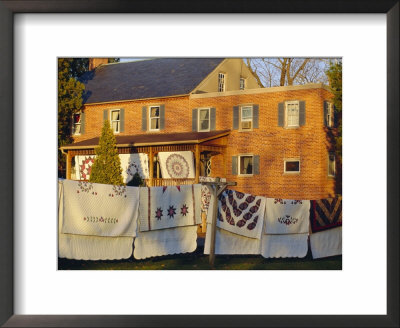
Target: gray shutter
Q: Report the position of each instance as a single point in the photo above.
(194, 119)
(255, 116)
(105, 114)
(281, 114)
(302, 113)
(235, 117)
(121, 120)
(82, 123)
(144, 118)
(212, 119)
(325, 113)
(256, 164)
(162, 117)
(234, 165)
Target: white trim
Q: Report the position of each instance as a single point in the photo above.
(223, 80)
(291, 160)
(244, 83)
(252, 165)
(119, 120)
(246, 120)
(198, 119)
(159, 117)
(292, 102)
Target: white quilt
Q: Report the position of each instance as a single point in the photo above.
(165, 242)
(326, 243)
(287, 216)
(294, 245)
(93, 248)
(94, 209)
(239, 213)
(134, 163)
(169, 207)
(178, 165)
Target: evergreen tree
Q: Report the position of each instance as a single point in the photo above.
(107, 164)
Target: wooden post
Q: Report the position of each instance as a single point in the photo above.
(197, 155)
(68, 169)
(151, 166)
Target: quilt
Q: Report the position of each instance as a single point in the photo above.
(94, 209)
(240, 213)
(326, 243)
(207, 192)
(83, 166)
(326, 214)
(295, 245)
(134, 163)
(177, 165)
(169, 207)
(287, 216)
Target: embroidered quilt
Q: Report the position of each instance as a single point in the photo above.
(206, 192)
(326, 214)
(95, 209)
(287, 216)
(134, 163)
(326, 243)
(177, 165)
(169, 207)
(240, 213)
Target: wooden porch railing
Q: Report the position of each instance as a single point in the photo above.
(157, 182)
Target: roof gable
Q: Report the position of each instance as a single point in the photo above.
(155, 78)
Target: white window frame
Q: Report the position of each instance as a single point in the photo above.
(155, 117)
(247, 119)
(221, 85)
(291, 160)
(334, 164)
(111, 120)
(73, 124)
(330, 115)
(198, 120)
(242, 87)
(252, 165)
(293, 102)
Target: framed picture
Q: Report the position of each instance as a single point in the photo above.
(17, 306)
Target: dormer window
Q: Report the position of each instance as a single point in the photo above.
(221, 82)
(242, 83)
(115, 120)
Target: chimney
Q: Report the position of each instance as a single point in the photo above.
(95, 62)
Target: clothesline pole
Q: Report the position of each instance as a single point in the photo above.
(219, 187)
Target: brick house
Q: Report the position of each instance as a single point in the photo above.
(273, 142)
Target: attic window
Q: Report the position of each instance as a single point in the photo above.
(221, 82)
(242, 83)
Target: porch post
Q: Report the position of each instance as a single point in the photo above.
(197, 155)
(151, 168)
(68, 169)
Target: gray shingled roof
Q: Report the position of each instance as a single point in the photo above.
(146, 79)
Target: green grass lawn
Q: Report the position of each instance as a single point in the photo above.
(198, 261)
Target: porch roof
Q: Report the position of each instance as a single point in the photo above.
(150, 139)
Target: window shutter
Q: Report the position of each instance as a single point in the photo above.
(212, 119)
(162, 117)
(194, 119)
(82, 123)
(256, 164)
(235, 117)
(144, 118)
(281, 114)
(234, 165)
(302, 113)
(325, 113)
(255, 116)
(105, 114)
(121, 120)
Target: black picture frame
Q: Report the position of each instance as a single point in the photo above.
(7, 11)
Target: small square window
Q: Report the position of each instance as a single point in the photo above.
(292, 114)
(115, 120)
(242, 83)
(331, 164)
(292, 166)
(154, 118)
(76, 124)
(204, 119)
(246, 122)
(221, 82)
(245, 164)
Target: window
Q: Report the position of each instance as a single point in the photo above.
(204, 119)
(292, 166)
(330, 116)
(331, 165)
(246, 114)
(76, 124)
(221, 82)
(242, 83)
(245, 164)
(154, 118)
(115, 120)
(292, 114)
